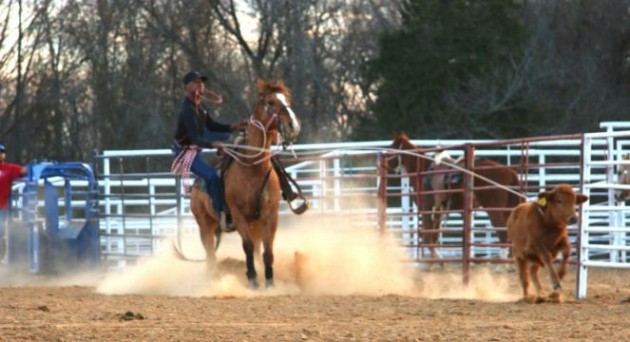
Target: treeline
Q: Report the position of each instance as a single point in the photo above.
(76, 76)
(501, 69)
(106, 74)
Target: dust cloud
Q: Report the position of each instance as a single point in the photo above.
(314, 255)
(484, 284)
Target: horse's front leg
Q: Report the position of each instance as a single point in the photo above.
(268, 259)
(248, 248)
(269, 234)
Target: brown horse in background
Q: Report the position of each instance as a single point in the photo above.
(484, 195)
(252, 188)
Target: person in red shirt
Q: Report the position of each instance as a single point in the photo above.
(8, 173)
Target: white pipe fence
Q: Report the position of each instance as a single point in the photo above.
(139, 209)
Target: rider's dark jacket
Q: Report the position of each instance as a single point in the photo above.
(191, 125)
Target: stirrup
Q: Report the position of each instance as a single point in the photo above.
(224, 225)
(301, 208)
(290, 196)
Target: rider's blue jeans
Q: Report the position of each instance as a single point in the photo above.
(202, 169)
(213, 183)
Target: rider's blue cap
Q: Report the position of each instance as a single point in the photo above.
(2, 149)
(193, 76)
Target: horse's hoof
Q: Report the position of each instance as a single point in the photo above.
(555, 297)
(268, 283)
(529, 299)
(253, 284)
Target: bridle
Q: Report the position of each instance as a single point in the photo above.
(274, 118)
(266, 126)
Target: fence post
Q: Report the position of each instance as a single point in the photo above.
(583, 219)
(382, 193)
(337, 171)
(467, 209)
(418, 184)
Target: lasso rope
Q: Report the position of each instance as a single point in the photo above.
(231, 149)
(391, 150)
(474, 174)
(183, 162)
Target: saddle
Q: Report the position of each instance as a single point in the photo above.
(450, 179)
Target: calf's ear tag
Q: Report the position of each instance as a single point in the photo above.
(542, 202)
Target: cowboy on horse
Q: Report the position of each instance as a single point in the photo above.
(252, 181)
(195, 130)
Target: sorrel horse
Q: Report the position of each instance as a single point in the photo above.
(486, 194)
(252, 188)
(623, 178)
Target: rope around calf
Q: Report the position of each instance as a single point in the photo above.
(231, 150)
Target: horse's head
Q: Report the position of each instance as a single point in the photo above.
(400, 142)
(623, 178)
(443, 178)
(273, 109)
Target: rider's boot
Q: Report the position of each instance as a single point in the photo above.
(287, 192)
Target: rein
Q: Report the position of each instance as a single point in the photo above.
(263, 128)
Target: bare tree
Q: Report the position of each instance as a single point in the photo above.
(317, 46)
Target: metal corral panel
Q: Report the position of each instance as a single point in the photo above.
(142, 204)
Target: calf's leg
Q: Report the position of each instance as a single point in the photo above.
(523, 272)
(534, 270)
(565, 247)
(545, 255)
(535, 274)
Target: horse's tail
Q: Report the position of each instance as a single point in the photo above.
(177, 247)
(177, 250)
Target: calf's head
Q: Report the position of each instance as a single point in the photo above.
(560, 202)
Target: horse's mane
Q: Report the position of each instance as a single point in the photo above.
(273, 87)
(401, 137)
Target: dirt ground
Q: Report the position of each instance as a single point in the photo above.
(360, 293)
(80, 313)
